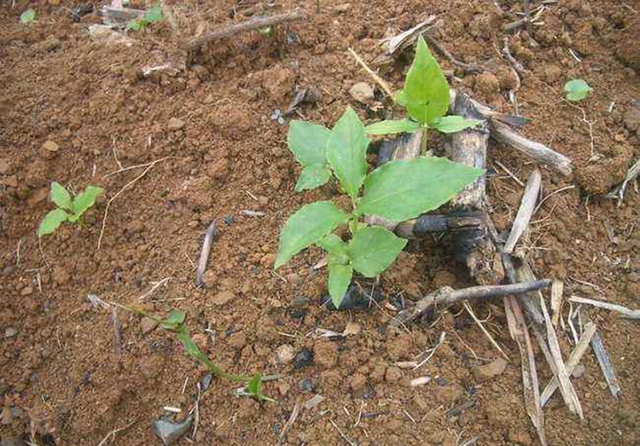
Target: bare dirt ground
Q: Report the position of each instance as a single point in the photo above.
(61, 378)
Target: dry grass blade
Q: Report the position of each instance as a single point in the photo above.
(624, 311)
(484, 330)
(528, 204)
(557, 287)
(572, 362)
(605, 364)
(520, 333)
(566, 388)
(292, 419)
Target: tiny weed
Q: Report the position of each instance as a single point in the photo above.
(29, 16)
(153, 14)
(397, 191)
(68, 208)
(577, 90)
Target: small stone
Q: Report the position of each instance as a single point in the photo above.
(237, 340)
(293, 279)
(147, 325)
(303, 358)
(300, 302)
(361, 92)
(222, 298)
(6, 416)
(175, 124)
(205, 382)
(421, 381)
(578, 371)
(4, 166)
(51, 146)
(169, 432)
(341, 9)
(285, 354)
(26, 291)
(491, 370)
(10, 332)
(306, 385)
(228, 220)
(209, 99)
(358, 384)
(392, 374)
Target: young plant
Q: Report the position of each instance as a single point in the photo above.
(153, 14)
(425, 97)
(398, 191)
(577, 90)
(29, 16)
(68, 209)
(175, 323)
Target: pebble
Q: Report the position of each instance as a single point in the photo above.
(361, 92)
(4, 166)
(342, 8)
(354, 299)
(175, 124)
(293, 279)
(6, 416)
(300, 302)
(285, 354)
(303, 358)
(578, 371)
(26, 291)
(222, 298)
(421, 381)
(205, 382)
(490, 370)
(169, 432)
(51, 146)
(147, 325)
(392, 374)
(10, 332)
(237, 340)
(228, 220)
(306, 385)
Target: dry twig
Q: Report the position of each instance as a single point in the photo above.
(605, 364)
(624, 311)
(528, 204)
(204, 254)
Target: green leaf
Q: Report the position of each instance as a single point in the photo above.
(306, 226)
(426, 92)
(60, 196)
(403, 189)
(454, 123)
(84, 201)
(336, 248)
(312, 176)
(373, 249)
(346, 152)
(28, 16)
(51, 222)
(254, 389)
(391, 127)
(154, 14)
(135, 25)
(307, 142)
(173, 320)
(339, 280)
(577, 90)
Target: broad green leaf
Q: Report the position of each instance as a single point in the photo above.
(577, 90)
(60, 196)
(426, 92)
(336, 248)
(136, 25)
(173, 320)
(454, 123)
(339, 280)
(51, 222)
(346, 152)
(307, 142)
(373, 249)
(391, 127)
(403, 189)
(306, 226)
(312, 176)
(84, 201)
(154, 14)
(28, 16)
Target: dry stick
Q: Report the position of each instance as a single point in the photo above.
(344, 437)
(446, 296)
(519, 332)
(574, 358)
(605, 364)
(528, 204)
(557, 288)
(249, 25)
(566, 388)
(373, 75)
(624, 311)
(204, 254)
(292, 419)
(470, 68)
(527, 15)
(137, 166)
(115, 431)
(484, 330)
(131, 183)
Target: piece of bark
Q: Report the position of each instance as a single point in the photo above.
(556, 301)
(525, 211)
(605, 364)
(429, 223)
(446, 296)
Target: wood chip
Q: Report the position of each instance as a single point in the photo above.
(528, 204)
(557, 287)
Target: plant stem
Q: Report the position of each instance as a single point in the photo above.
(423, 140)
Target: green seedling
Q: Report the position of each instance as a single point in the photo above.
(577, 90)
(398, 191)
(175, 323)
(29, 16)
(153, 14)
(425, 98)
(68, 208)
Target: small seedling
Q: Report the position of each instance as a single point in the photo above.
(153, 14)
(425, 97)
(577, 90)
(175, 323)
(69, 209)
(29, 16)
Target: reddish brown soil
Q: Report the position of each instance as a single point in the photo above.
(60, 373)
